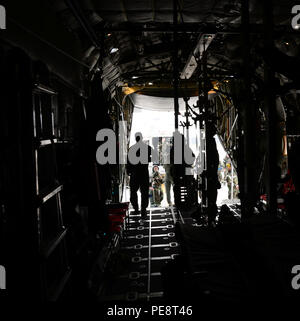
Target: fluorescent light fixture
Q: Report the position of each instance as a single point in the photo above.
(113, 50)
(150, 83)
(135, 77)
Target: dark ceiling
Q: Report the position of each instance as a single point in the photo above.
(142, 31)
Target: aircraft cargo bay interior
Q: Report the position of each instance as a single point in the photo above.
(150, 153)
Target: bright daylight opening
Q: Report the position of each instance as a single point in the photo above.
(158, 126)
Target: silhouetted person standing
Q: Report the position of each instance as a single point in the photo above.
(213, 183)
(139, 157)
(169, 169)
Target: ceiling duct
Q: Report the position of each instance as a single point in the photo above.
(191, 64)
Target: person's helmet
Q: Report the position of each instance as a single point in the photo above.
(138, 136)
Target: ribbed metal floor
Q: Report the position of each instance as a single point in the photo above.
(146, 247)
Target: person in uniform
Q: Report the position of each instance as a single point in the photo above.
(231, 181)
(168, 166)
(139, 174)
(157, 181)
(213, 183)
